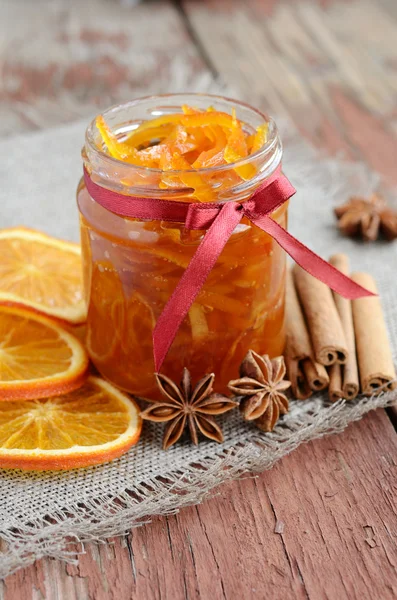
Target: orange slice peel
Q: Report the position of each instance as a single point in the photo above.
(38, 357)
(92, 425)
(41, 273)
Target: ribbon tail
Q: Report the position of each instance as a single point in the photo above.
(193, 279)
(309, 261)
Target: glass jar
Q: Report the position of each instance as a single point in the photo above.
(131, 266)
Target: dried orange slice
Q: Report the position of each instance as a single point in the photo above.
(42, 273)
(37, 356)
(89, 426)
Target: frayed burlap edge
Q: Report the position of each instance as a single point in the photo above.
(104, 516)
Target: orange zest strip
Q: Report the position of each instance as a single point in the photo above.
(190, 140)
(116, 148)
(236, 148)
(152, 123)
(260, 138)
(203, 192)
(145, 137)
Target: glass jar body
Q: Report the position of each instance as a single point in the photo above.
(131, 268)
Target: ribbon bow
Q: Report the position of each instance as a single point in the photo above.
(219, 221)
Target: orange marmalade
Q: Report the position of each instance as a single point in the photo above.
(192, 148)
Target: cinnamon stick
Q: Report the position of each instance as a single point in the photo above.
(304, 373)
(322, 319)
(349, 385)
(377, 372)
(315, 374)
(299, 385)
(335, 391)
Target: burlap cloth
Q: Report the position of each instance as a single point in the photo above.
(40, 514)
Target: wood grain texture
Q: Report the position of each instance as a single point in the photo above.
(330, 65)
(61, 60)
(334, 501)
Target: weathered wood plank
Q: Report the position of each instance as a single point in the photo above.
(64, 60)
(334, 501)
(333, 69)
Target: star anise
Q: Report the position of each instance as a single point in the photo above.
(367, 218)
(182, 404)
(261, 385)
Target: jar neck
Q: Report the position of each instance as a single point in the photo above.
(145, 182)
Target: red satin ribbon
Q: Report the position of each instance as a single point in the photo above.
(219, 220)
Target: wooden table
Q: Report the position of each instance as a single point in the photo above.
(331, 66)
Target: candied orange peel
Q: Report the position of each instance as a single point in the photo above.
(192, 140)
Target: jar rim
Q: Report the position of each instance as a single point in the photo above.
(268, 147)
